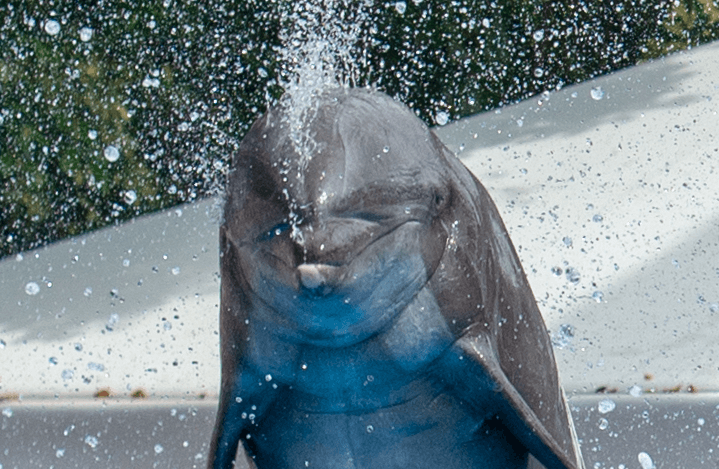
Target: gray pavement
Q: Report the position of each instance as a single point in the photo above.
(616, 431)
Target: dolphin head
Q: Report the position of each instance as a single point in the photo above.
(333, 235)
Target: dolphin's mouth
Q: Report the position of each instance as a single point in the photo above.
(319, 280)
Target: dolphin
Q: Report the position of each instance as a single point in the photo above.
(374, 313)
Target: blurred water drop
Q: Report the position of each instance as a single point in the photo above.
(598, 296)
(400, 7)
(7, 412)
(96, 366)
(32, 288)
(597, 93)
(538, 72)
(603, 424)
(78, 347)
(52, 27)
(567, 241)
(370, 428)
(130, 197)
(645, 461)
(114, 318)
(557, 271)
(597, 218)
(538, 35)
(92, 134)
(111, 153)
(69, 429)
(86, 34)
(167, 325)
(91, 441)
(67, 374)
(635, 391)
(159, 449)
(52, 360)
(441, 118)
(175, 270)
(60, 452)
(563, 337)
(572, 275)
(606, 405)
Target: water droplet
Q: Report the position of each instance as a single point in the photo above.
(603, 424)
(557, 271)
(598, 296)
(32, 288)
(572, 275)
(407, 210)
(7, 412)
(605, 406)
(130, 197)
(159, 449)
(92, 134)
(52, 27)
(60, 452)
(701, 421)
(486, 23)
(2, 344)
(91, 441)
(167, 325)
(597, 93)
(563, 337)
(78, 347)
(268, 378)
(67, 374)
(385, 149)
(567, 241)
(52, 360)
(175, 270)
(86, 34)
(538, 35)
(401, 7)
(714, 308)
(645, 460)
(370, 428)
(68, 430)
(538, 72)
(635, 391)
(441, 118)
(96, 366)
(150, 82)
(111, 153)
(114, 317)
(520, 122)
(597, 218)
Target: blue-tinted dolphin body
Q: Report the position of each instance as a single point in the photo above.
(374, 314)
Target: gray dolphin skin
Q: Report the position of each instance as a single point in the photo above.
(374, 313)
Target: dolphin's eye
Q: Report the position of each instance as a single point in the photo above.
(272, 233)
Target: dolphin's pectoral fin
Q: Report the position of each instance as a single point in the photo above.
(239, 409)
(477, 377)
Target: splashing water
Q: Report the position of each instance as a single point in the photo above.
(319, 53)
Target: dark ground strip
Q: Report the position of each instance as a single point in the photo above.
(678, 431)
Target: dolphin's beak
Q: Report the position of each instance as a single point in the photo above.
(319, 279)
